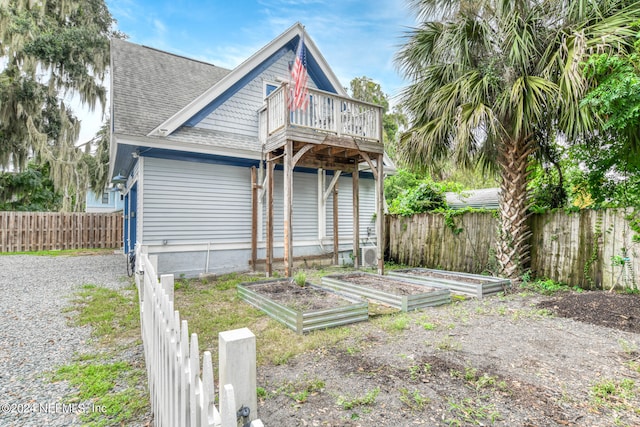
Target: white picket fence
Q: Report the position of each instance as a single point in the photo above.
(180, 396)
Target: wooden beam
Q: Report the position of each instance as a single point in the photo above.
(380, 189)
(356, 219)
(269, 214)
(373, 168)
(332, 185)
(380, 214)
(336, 240)
(288, 203)
(254, 217)
(300, 153)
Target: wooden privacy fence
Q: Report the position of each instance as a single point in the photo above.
(43, 231)
(426, 240)
(590, 248)
(181, 395)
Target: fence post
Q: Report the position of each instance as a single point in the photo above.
(237, 360)
(153, 259)
(168, 281)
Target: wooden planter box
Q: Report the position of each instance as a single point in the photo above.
(464, 283)
(396, 293)
(345, 310)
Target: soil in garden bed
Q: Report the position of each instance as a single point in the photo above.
(386, 284)
(300, 298)
(446, 276)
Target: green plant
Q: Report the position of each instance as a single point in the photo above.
(415, 371)
(353, 350)
(429, 326)
(479, 380)
(613, 393)
(394, 323)
(448, 344)
(261, 392)
(547, 287)
(350, 402)
(413, 399)
(301, 390)
(300, 278)
(471, 412)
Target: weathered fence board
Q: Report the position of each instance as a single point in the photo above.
(584, 248)
(425, 240)
(45, 231)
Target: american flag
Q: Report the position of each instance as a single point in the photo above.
(299, 96)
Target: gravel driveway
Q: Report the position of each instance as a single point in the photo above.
(35, 337)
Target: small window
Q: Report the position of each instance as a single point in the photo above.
(105, 198)
(268, 88)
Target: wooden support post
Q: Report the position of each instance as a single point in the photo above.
(380, 214)
(254, 218)
(269, 213)
(336, 240)
(288, 202)
(356, 218)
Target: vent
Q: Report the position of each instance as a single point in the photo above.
(369, 256)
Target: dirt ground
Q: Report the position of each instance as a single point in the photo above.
(521, 360)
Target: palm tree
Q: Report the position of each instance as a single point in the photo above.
(492, 79)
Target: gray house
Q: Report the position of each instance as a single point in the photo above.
(219, 175)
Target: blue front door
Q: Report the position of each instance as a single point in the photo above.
(130, 214)
(133, 208)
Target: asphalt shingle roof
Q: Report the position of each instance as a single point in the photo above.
(149, 85)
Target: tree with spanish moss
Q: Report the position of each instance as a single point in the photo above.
(53, 50)
(492, 81)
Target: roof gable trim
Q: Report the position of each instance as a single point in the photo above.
(230, 80)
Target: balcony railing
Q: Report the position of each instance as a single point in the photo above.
(326, 112)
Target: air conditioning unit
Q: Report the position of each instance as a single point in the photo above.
(369, 256)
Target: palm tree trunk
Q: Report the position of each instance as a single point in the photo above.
(513, 245)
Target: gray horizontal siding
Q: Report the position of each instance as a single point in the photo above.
(196, 202)
(239, 114)
(345, 208)
(305, 206)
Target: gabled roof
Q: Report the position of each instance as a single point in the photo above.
(488, 198)
(150, 85)
(219, 87)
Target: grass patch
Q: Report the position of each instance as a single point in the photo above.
(448, 344)
(413, 399)
(396, 322)
(479, 380)
(111, 387)
(471, 412)
(111, 314)
(65, 252)
(615, 394)
(213, 306)
(115, 390)
(546, 287)
(350, 402)
(300, 391)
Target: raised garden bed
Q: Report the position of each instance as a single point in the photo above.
(388, 291)
(303, 308)
(464, 283)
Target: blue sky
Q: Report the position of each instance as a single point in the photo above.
(356, 37)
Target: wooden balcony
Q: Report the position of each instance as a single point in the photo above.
(340, 129)
(333, 132)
